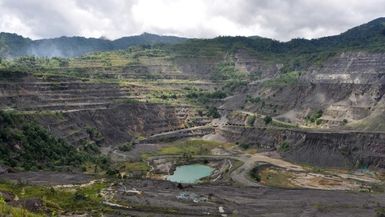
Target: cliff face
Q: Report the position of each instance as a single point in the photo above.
(358, 79)
(352, 149)
(165, 92)
(99, 103)
(79, 111)
(351, 67)
(325, 149)
(117, 124)
(92, 105)
(348, 88)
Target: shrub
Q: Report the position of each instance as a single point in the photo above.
(204, 96)
(94, 134)
(314, 117)
(255, 100)
(288, 78)
(234, 84)
(245, 145)
(284, 146)
(126, 147)
(251, 120)
(37, 148)
(380, 212)
(267, 119)
(78, 196)
(213, 112)
(227, 71)
(112, 172)
(254, 173)
(168, 96)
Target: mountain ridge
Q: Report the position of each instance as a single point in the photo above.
(14, 45)
(369, 35)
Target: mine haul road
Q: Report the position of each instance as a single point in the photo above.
(241, 175)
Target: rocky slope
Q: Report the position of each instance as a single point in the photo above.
(320, 148)
(332, 83)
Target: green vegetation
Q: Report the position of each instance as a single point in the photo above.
(275, 177)
(213, 112)
(168, 96)
(14, 45)
(250, 120)
(95, 135)
(289, 78)
(130, 101)
(59, 199)
(7, 210)
(134, 167)
(380, 212)
(254, 173)
(314, 117)
(24, 144)
(227, 71)
(126, 147)
(128, 169)
(28, 63)
(203, 97)
(295, 55)
(282, 124)
(233, 85)
(245, 146)
(284, 146)
(254, 100)
(10, 75)
(201, 48)
(267, 119)
(189, 147)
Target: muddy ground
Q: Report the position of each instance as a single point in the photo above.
(162, 198)
(234, 195)
(144, 197)
(46, 178)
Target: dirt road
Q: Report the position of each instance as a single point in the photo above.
(240, 175)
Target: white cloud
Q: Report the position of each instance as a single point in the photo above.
(279, 19)
(15, 25)
(167, 14)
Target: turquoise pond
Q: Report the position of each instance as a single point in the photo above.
(190, 173)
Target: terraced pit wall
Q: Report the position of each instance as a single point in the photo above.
(325, 149)
(80, 112)
(348, 87)
(116, 125)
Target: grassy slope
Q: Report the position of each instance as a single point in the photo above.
(26, 145)
(58, 200)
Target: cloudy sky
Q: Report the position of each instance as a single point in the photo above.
(278, 19)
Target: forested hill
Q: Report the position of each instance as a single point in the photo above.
(13, 45)
(369, 36)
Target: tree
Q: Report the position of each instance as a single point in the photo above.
(251, 120)
(267, 119)
(213, 112)
(78, 196)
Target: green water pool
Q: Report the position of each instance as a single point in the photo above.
(190, 173)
